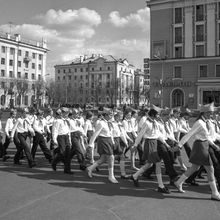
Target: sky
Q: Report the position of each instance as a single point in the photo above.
(76, 27)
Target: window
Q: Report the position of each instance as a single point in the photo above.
(64, 77)
(32, 76)
(200, 50)
(109, 68)
(177, 72)
(2, 60)
(93, 69)
(11, 85)
(219, 10)
(178, 52)
(58, 78)
(3, 84)
(75, 70)
(199, 12)
(19, 63)
(19, 74)
(19, 52)
(39, 67)
(39, 76)
(40, 56)
(199, 32)
(10, 62)
(108, 84)
(58, 71)
(178, 15)
(75, 77)
(219, 31)
(69, 70)
(11, 74)
(70, 77)
(26, 65)
(178, 35)
(26, 100)
(203, 71)
(81, 70)
(2, 73)
(26, 53)
(81, 77)
(33, 55)
(100, 76)
(64, 71)
(12, 51)
(217, 70)
(108, 76)
(26, 75)
(3, 49)
(33, 86)
(87, 77)
(100, 68)
(33, 65)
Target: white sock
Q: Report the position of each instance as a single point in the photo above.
(182, 179)
(213, 188)
(159, 180)
(122, 167)
(93, 166)
(139, 172)
(111, 173)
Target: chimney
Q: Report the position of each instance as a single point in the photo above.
(93, 55)
(81, 59)
(85, 57)
(8, 36)
(17, 37)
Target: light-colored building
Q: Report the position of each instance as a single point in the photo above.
(185, 52)
(96, 80)
(22, 71)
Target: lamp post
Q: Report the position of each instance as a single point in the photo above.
(161, 79)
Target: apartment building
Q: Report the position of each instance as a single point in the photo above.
(22, 71)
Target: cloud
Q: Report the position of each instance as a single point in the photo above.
(139, 19)
(69, 18)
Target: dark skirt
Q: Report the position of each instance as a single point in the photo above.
(119, 146)
(150, 151)
(105, 145)
(200, 153)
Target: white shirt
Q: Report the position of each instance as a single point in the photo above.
(212, 130)
(75, 126)
(174, 123)
(183, 125)
(60, 127)
(40, 125)
(141, 122)
(150, 130)
(9, 125)
(170, 131)
(88, 126)
(199, 131)
(134, 124)
(1, 127)
(22, 125)
(50, 119)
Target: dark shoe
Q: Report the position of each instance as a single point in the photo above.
(69, 172)
(5, 158)
(97, 169)
(82, 167)
(164, 190)
(126, 177)
(192, 183)
(17, 163)
(54, 166)
(135, 181)
(33, 164)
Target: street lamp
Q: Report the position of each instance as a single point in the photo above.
(161, 80)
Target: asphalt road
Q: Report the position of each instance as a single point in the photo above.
(40, 193)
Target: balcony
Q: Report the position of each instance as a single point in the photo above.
(27, 59)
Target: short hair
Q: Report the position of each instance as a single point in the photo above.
(152, 113)
(89, 114)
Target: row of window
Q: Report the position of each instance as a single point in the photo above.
(203, 71)
(82, 77)
(19, 85)
(81, 70)
(26, 53)
(199, 12)
(26, 75)
(11, 63)
(18, 99)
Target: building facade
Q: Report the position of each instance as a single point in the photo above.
(185, 52)
(96, 80)
(23, 68)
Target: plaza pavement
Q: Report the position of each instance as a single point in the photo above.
(40, 193)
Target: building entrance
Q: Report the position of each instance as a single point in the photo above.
(177, 98)
(211, 96)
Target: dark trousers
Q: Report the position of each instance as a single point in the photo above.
(167, 158)
(49, 138)
(63, 152)
(76, 148)
(215, 156)
(22, 137)
(38, 139)
(1, 147)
